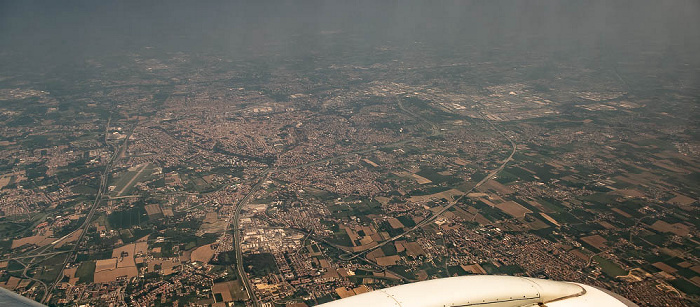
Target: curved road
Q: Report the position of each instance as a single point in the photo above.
(452, 204)
(98, 198)
(434, 132)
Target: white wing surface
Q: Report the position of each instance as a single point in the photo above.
(484, 290)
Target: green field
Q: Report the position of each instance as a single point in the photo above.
(86, 272)
(127, 218)
(259, 265)
(609, 268)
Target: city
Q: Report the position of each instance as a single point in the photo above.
(161, 178)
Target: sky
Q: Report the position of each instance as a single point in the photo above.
(41, 33)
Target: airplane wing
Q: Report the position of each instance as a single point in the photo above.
(9, 298)
(485, 290)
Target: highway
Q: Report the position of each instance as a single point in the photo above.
(433, 217)
(234, 218)
(237, 237)
(86, 224)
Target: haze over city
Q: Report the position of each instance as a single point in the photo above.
(293, 153)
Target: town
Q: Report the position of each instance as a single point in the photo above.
(198, 181)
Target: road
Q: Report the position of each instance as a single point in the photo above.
(433, 217)
(35, 255)
(95, 204)
(24, 274)
(235, 217)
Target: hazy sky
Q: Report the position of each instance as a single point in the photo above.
(49, 31)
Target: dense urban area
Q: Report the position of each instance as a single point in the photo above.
(159, 178)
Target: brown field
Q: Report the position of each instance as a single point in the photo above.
(11, 283)
(361, 289)
(185, 257)
(37, 240)
(238, 291)
(112, 275)
(595, 241)
(363, 247)
(105, 264)
(668, 165)
(676, 228)
(413, 249)
(449, 195)
(665, 267)
(168, 212)
(513, 208)
(388, 260)
(556, 164)
(395, 223)
(141, 246)
(682, 200)
(211, 217)
(580, 254)
(496, 186)
(203, 253)
(473, 268)
(24, 283)
(418, 178)
(127, 261)
(366, 240)
(628, 193)
(209, 178)
(215, 227)
(131, 249)
(5, 180)
(153, 209)
(375, 254)
(70, 272)
(620, 212)
(399, 246)
(696, 269)
(672, 252)
(128, 249)
(696, 280)
(225, 289)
